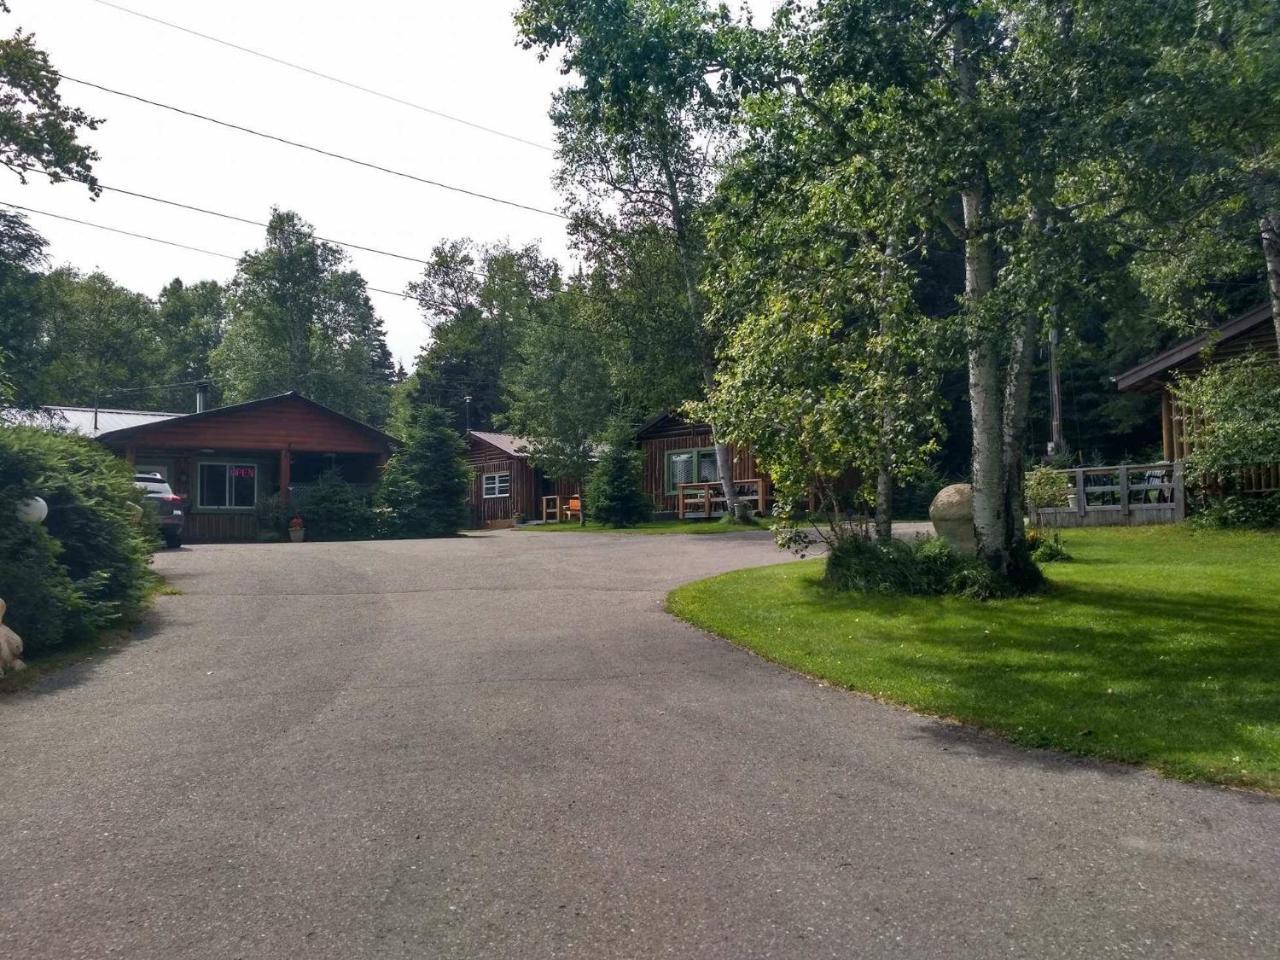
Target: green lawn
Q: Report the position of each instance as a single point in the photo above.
(1158, 646)
(651, 526)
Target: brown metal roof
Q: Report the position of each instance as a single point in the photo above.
(1242, 332)
(140, 430)
(506, 442)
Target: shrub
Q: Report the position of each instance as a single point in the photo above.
(273, 516)
(85, 568)
(1046, 548)
(1257, 513)
(1046, 487)
(1236, 417)
(331, 509)
(917, 568)
(424, 487)
(614, 494)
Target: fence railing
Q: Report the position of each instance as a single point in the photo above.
(1127, 495)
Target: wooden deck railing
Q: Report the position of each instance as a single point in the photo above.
(706, 500)
(1127, 495)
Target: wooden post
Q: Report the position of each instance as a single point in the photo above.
(1082, 498)
(1179, 493)
(284, 475)
(1166, 424)
(1124, 491)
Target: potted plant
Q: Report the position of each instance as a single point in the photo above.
(297, 532)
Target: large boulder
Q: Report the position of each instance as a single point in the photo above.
(952, 516)
(10, 647)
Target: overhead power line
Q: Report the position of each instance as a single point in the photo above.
(326, 76)
(167, 243)
(226, 256)
(312, 149)
(246, 220)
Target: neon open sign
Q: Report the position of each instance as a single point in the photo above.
(246, 472)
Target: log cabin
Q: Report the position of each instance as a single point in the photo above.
(507, 489)
(680, 474)
(224, 461)
(1252, 332)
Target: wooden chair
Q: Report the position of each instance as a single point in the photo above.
(572, 510)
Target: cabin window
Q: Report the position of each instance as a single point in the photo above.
(497, 485)
(228, 485)
(691, 466)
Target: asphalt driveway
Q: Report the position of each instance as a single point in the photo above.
(502, 747)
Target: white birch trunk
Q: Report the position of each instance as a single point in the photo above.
(986, 396)
(1270, 230)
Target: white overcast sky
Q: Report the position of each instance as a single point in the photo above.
(457, 57)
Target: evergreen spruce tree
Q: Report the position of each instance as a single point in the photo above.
(614, 496)
(424, 486)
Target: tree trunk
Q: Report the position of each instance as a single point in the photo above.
(884, 479)
(1017, 398)
(986, 396)
(724, 457)
(884, 504)
(1270, 225)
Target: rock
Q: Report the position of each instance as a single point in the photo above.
(10, 647)
(952, 516)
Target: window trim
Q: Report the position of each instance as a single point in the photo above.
(697, 452)
(201, 464)
(497, 485)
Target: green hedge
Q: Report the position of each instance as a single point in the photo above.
(85, 567)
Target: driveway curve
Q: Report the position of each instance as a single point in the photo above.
(501, 746)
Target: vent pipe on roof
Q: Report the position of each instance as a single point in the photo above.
(202, 396)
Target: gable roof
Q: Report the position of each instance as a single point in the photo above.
(141, 429)
(1234, 336)
(506, 442)
(667, 422)
(81, 420)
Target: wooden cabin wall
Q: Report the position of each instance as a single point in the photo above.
(501, 511)
(656, 446)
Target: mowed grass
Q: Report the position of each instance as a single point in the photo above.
(1157, 646)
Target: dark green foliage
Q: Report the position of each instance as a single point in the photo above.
(424, 487)
(1257, 513)
(911, 499)
(273, 515)
(85, 568)
(1047, 547)
(915, 568)
(614, 496)
(331, 509)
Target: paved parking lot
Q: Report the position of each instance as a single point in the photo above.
(501, 746)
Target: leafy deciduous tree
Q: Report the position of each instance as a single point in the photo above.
(300, 321)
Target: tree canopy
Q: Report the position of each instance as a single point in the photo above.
(300, 319)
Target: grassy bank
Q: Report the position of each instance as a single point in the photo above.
(1158, 646)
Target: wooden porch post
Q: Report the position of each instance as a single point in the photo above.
(1166, 424)
(284, 476)
(130, 454)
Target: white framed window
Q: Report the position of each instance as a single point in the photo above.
(497, 485)
(228, 486)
